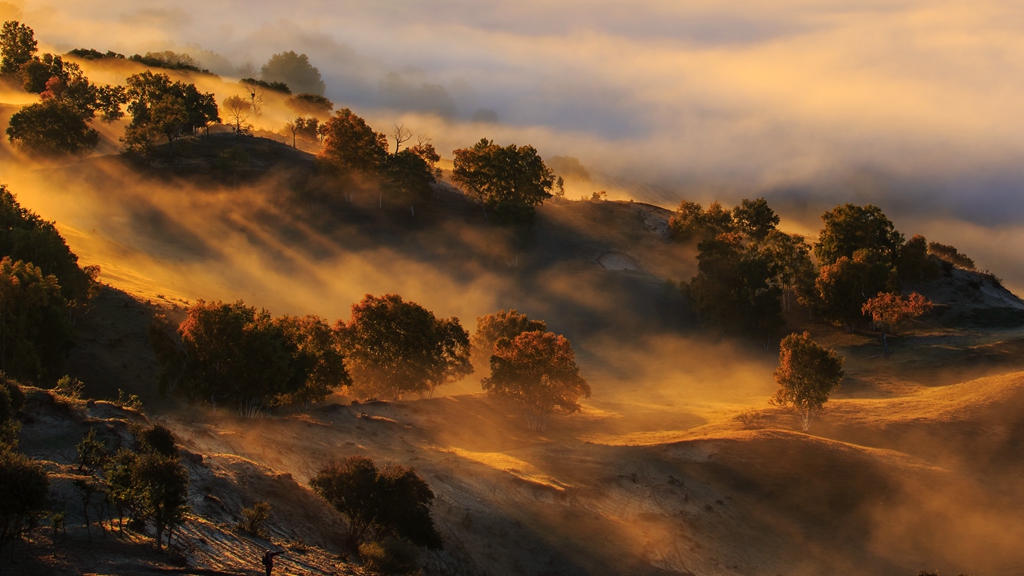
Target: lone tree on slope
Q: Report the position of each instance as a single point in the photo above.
(806, 375)
(538, 371)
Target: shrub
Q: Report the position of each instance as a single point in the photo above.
(389, 556)
(23, 488)
(254, 520)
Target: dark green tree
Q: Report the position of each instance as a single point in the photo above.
(844, 286)
(294, 70)
(736, 288)
(52, 128)
(23, 489)
(18, 45)
(394, 501)
(914, 264)
(691, 222)
(537, 371)
(35, 331)
(25, 236)
(411, 174)
(754, 218)
(164, 110)
(318, 364)
(395, 347)
(41, 69)
(849, 228)
(510, 181)
(161, 484)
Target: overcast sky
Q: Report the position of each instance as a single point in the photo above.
(917, 105)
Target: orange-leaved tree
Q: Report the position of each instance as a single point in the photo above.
(538, 371)
(890, 310)
(807, 374)
(501, 324)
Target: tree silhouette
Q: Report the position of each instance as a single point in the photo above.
(18, 44)
(294, 70)
(23, 490)
(510, 181)
(806, 375)
(35, 331)
(537, 371)
(395, 347)
(393, 501)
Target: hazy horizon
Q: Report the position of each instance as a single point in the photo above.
(909, 105)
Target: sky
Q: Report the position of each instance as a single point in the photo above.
(913, 105)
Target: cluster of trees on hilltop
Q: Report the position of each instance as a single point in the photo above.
(749, 272)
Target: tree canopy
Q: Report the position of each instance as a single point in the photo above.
(52, 128)
(237, 355)
(310, 104)
(510, 181)
(537, 371)
(35, 331)
(394, 501)
(18, 45)
(295, 71)
(849, 228)
(845, 285)
(164, 110)
(806, 375)
(501, 324)
(395, 347)
(351, 147)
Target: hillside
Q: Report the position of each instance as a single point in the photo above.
(676, 465)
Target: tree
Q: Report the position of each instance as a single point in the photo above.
(254, 89)
(35, 332)
(395, 347)
(318, 364)
(235, 355)
(806, 375)
(161, 482)
(314, 105)
(51, 128)
(18, 44)
(538, 371)
(690, 221)
(951, 255)
(39, 70)
(735, 289)
(294, 70)
(237, 109)
(914, 263)
(25, 236)
(411, 173)
(791, 258)
(378, 503)
(501, 324)
(889, 310)
(844, 286)
(351, 147)
(164, 109)
(849, 228)
(755, 218)
(510, 181)
(23, 489)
